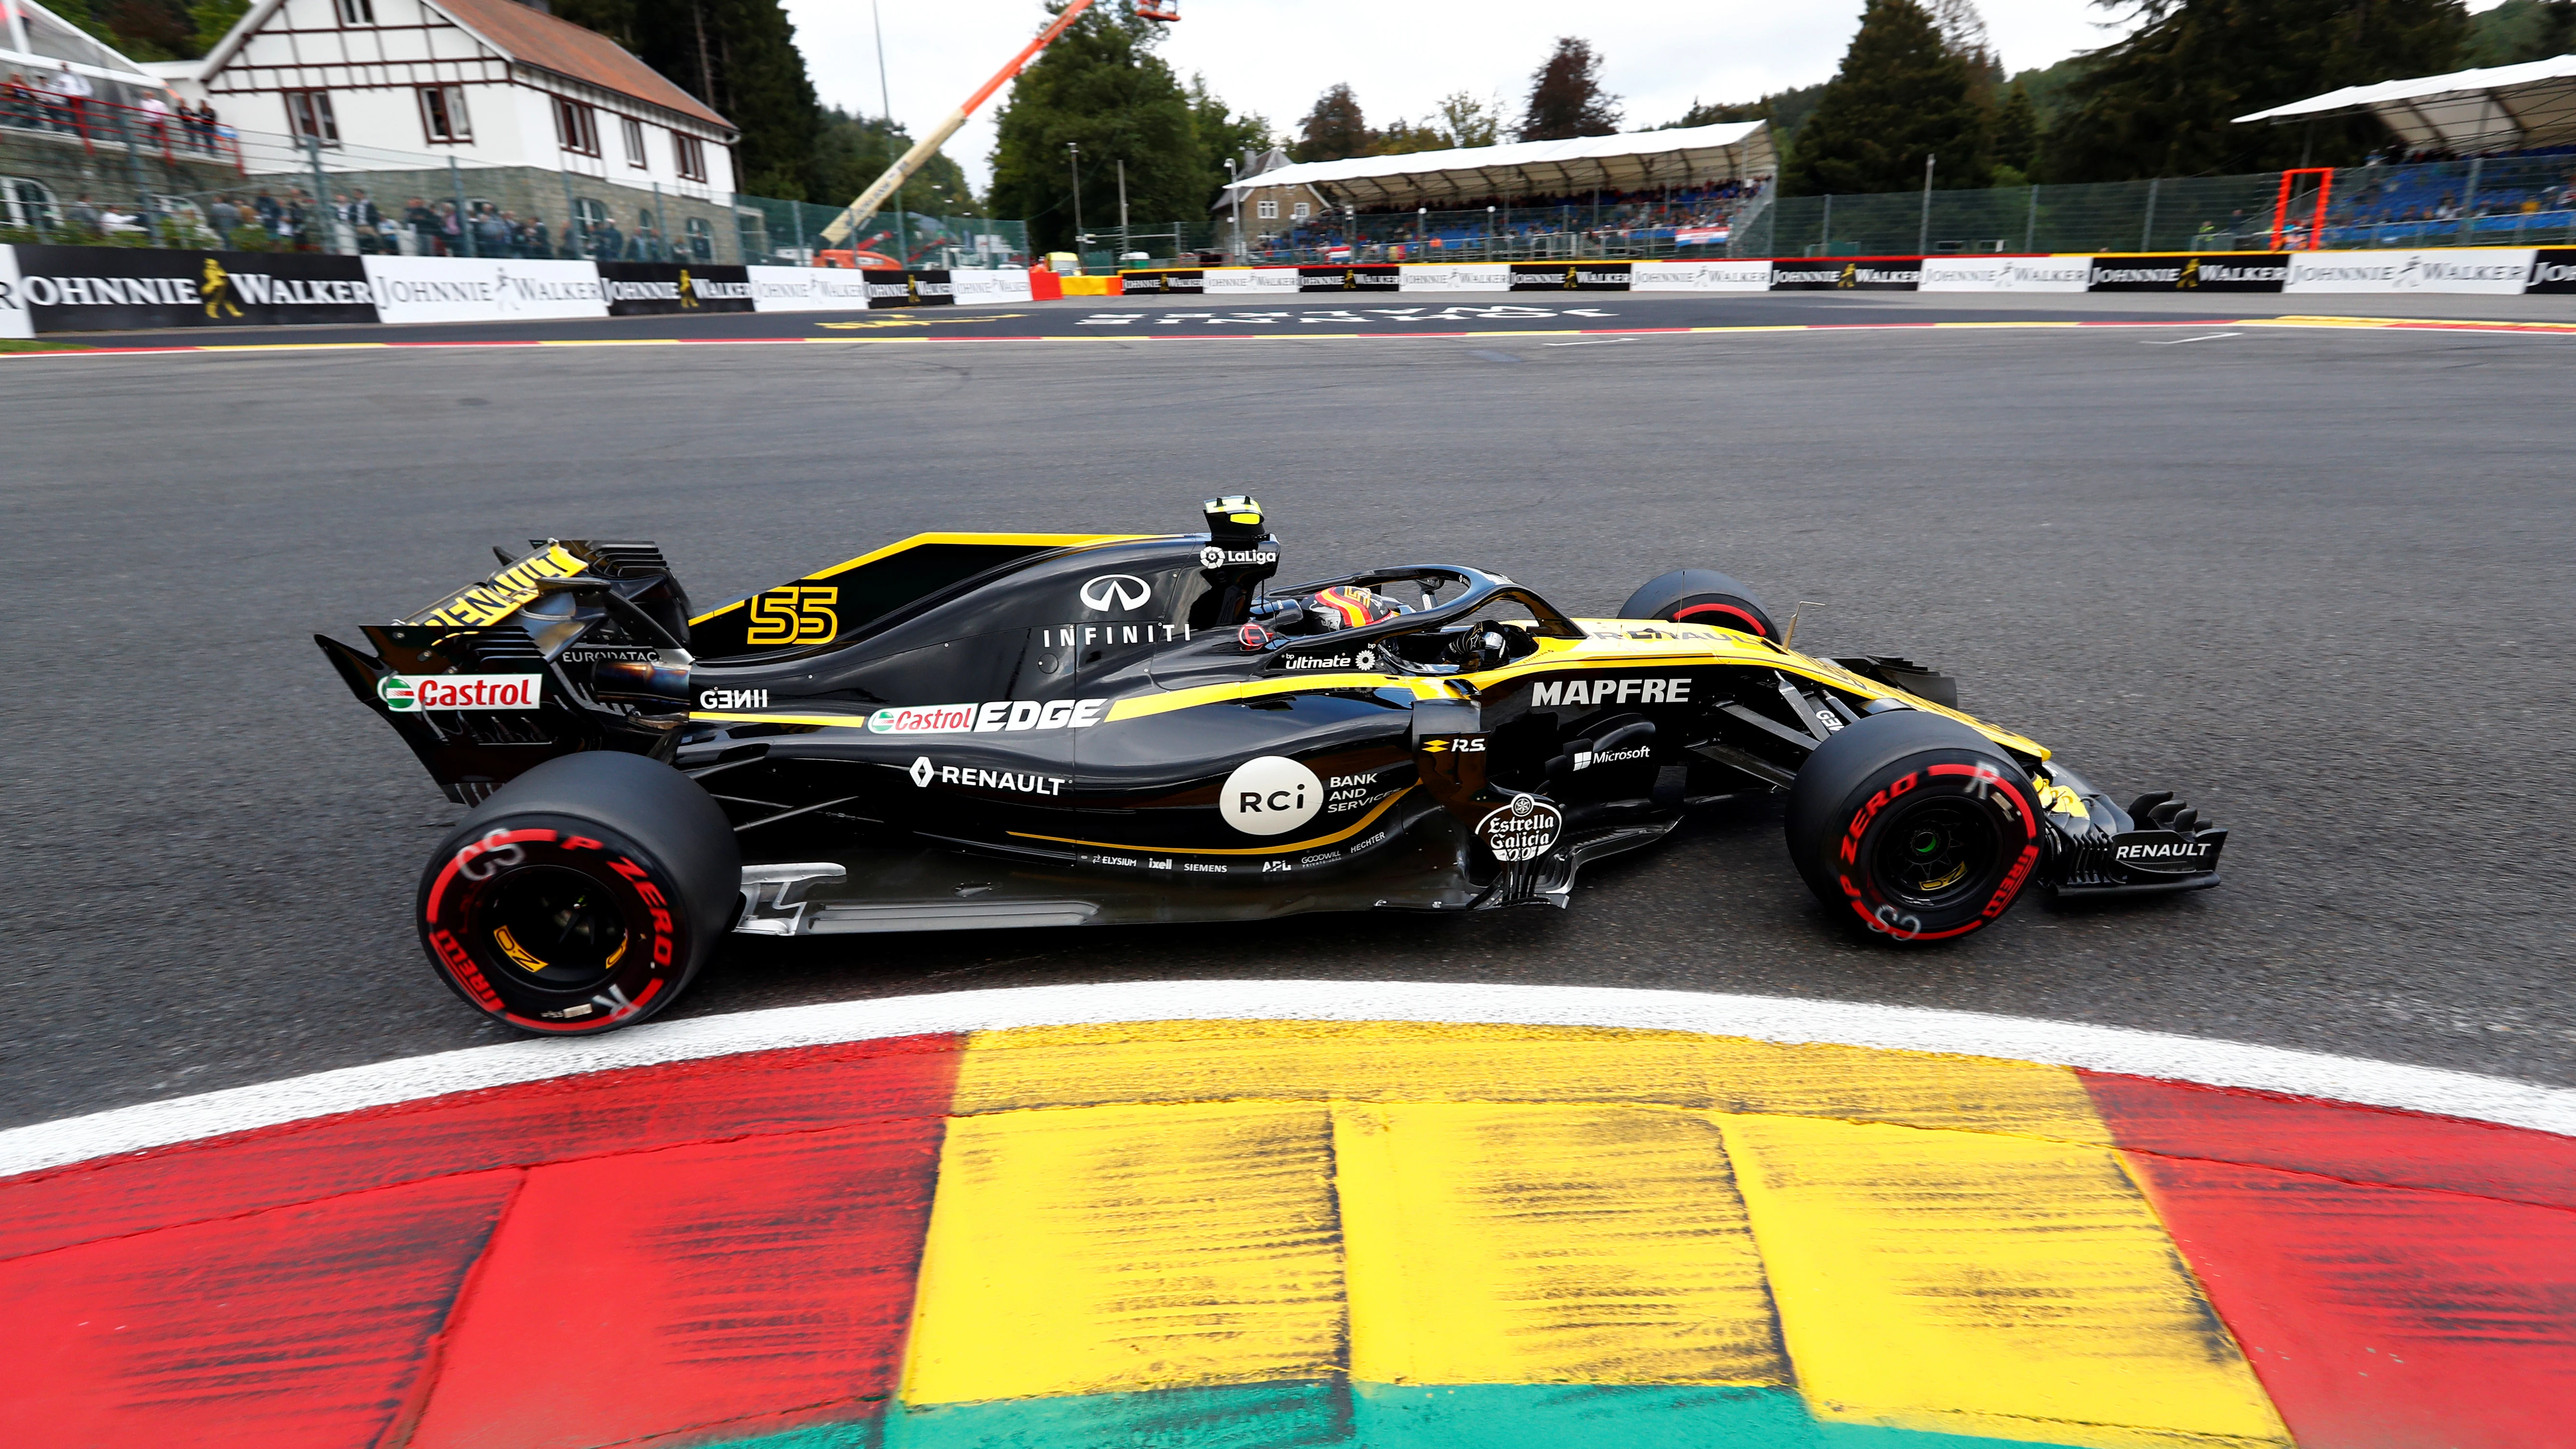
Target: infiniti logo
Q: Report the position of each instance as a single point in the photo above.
(1121, 591)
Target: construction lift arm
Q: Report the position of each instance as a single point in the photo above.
(844, 225)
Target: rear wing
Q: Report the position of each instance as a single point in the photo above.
(577, 645)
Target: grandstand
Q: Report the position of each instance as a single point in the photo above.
(2495, 154)
(1685, 191)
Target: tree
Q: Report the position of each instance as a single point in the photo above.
(2016, 131)
(1223, 135)
(1901, 96)
(1785, 111)
(1333, 130)
(1566, 99)
(2520, 30)
(1099, 86)
(2162, 101)
(214, 19)
(1402, 137)
(852, 151)
(1468, 121)
(740, 58)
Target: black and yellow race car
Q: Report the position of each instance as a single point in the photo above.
(976, 730)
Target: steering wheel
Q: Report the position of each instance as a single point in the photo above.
(1489, 646)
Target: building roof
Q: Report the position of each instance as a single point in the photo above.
(2499, 107)
(1641, 159)
(528, 37)
(532, 37)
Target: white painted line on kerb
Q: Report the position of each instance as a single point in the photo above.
(1763, 1018)
(2178, 341)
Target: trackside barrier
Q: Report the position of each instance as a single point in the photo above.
(50, 289)
(2490, 270)
(45, 289)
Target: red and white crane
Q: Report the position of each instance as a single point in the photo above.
(928, 146)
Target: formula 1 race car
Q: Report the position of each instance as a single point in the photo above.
(973, 730)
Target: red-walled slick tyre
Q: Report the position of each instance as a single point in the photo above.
(582, 896)
(1700, 596)
(1914, 826)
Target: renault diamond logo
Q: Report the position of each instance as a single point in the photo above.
(1120, 591)
(921, 772)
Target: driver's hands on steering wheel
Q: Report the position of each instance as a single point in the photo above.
(1488, 646)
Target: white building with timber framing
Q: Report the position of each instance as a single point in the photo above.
(495, 83)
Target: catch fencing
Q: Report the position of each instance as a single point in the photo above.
(2484, 201)
(95, 173)
(790, 233)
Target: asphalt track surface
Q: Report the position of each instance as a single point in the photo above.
(2315, 579)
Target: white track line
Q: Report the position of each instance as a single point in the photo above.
(1904, 1028)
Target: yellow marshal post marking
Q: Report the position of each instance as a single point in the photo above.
(1982, 1284)
(1115, 1248)
(1542, 1244)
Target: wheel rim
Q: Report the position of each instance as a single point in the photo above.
(553, 929)
(1937, 853)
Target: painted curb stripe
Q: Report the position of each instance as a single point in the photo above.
(2383, 1316)
(2104, 1049)
(2362, 323)
(1395, 1233)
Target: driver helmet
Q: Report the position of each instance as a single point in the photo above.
(1350, 606)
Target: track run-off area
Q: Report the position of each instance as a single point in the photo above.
(2287, 1162)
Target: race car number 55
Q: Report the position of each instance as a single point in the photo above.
(798, 614)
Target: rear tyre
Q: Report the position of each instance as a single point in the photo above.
(1915, 825)
(1700, 596)
(582, 896)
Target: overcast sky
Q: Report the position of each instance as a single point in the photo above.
(1275, 56)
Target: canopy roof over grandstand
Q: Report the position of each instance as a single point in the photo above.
(2501, 108)
(1639, 161)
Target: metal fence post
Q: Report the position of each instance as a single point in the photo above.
(464, 224)
(575, 229)
(661, 223)
(2146, 232)
(322, 195)
(1825, 237)
(796, 210)
(1923, 238)
(2030, 234)
(2468, 203)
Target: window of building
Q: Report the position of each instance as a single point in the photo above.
(577, 127)
(692, 154)
(308, 114)
(1300, 212)
(634, 138)
(442, 114)
(702, 240)
(357, 12)
(1266, 210)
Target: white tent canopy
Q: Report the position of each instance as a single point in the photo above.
(1639, 161)
(2500, 108)
(37, 41)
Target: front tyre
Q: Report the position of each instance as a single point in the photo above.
(1916, 825)
(582, 896)
(1700, 596)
